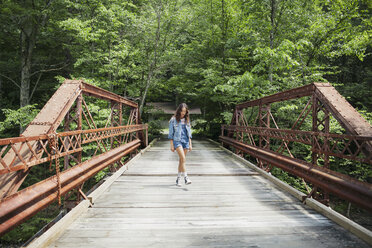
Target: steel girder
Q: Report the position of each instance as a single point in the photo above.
(324, 101)
(41, 143)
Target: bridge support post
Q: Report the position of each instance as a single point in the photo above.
(77, 118)
(116, 120)
(321, 117)
(264, 121)
(324, 101)
(239, 135)
(73, 115)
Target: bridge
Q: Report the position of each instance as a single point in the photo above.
(232, 202)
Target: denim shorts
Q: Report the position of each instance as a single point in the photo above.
(185, 145)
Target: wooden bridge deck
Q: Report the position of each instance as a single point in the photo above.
(227, 205)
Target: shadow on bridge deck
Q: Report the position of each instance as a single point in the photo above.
(227, 205)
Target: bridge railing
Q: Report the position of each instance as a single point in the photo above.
(80, 131)
(34, 150)
(279, 147)
(324, 144)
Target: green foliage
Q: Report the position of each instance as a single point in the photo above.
(227, 116)
(25, 231)
(199, 126)
(213, 54)
(155, 129)
(101, 174)
(366, 115)
(291, 180)
(16, 118)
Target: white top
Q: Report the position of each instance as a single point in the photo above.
(183, 121)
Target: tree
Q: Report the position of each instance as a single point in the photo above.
(98, 41)
(161, 23)
(26, 20)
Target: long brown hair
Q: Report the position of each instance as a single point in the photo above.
(178, 113)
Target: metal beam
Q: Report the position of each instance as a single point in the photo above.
(342, 185)
(344, 113)
(91, 90)
(356, 146)
(306, 90)
(20, 206)
(47, 121)
(43, 154)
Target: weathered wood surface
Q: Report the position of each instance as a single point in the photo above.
(227, 205)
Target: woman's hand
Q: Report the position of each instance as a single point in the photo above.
(172, 148)
(190, 147)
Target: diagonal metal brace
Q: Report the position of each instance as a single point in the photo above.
(309, 195)
(86, 198)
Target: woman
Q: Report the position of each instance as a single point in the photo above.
(180, 139)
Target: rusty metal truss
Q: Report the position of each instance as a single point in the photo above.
(260, 136)
(68, 143)
(67, 129)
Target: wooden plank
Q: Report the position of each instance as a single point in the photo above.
(146, 209)
(56, 230)
(353, 227)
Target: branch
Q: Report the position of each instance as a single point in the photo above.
(33, 90)
(48, 70)
(44, 65)
(319, 41)
(48, 4)
(177, 32)
(279, 17)
(11, 80)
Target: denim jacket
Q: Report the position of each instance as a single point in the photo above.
(175, 130)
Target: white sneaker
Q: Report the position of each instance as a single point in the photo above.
(187, 180)
(178, 181)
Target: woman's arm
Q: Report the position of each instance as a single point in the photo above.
(171, 130)
(190, 145)
(170, 134)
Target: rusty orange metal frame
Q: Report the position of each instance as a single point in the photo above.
(338, 145)
(334, 182)
(57, 110)
(356, 145)
(20, 206)
(41, 143)
(40, 152)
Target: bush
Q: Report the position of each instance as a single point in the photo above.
(14, 119)
(154, 129)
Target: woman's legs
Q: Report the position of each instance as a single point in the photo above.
(182, 160)
(185, 150)
(184, 164)
(181, 166)
(187, 180)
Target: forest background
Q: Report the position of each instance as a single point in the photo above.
(211, 53)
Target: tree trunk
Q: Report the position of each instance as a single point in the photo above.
(1, 90)
(177, 100)
(28, 39)
(272, 19)
(302, 67)
(210, 44)
(110, 72)
(148, 82)
(154, 61)
(223, 36)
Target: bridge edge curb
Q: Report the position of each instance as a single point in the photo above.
(353, 227)
(54, 232)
